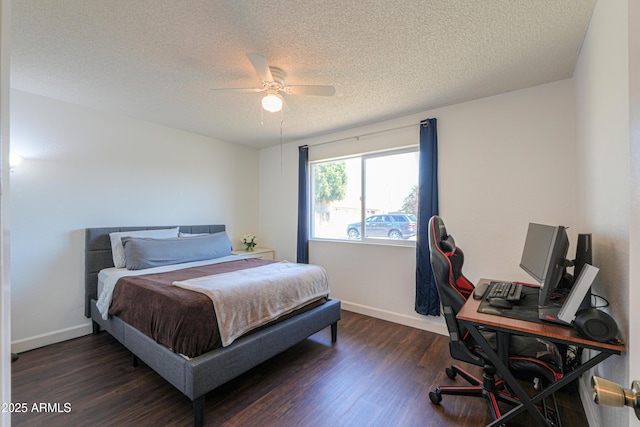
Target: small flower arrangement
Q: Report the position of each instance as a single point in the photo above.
(249, 241)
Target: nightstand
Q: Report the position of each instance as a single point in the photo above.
(263, 253)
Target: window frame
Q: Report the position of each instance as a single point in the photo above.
(363, 187)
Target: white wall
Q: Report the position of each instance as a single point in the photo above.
(83, 169)
(503, 161)
(634, 233)
(602, 88)
(5, 283)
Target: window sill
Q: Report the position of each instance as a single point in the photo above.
(373, 242)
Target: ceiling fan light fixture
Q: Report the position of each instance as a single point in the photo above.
(272, 103)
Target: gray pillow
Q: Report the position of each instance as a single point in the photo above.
(141, 253)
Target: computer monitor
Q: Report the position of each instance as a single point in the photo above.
(544, 257)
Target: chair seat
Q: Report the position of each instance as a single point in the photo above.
(529, 357)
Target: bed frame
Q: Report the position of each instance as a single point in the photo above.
(197, 376)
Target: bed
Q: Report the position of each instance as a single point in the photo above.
(196, 376)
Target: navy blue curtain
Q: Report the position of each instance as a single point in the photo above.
(303, 205)
(427, 301)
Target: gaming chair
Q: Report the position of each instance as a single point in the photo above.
(529, 357)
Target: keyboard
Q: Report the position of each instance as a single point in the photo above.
(506, 290)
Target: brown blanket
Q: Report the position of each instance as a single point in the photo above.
(180, 319)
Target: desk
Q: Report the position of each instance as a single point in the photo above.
(505, 327)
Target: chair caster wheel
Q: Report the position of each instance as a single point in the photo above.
(451, 373)
(435, 396)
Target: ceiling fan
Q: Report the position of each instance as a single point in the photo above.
(273, 83)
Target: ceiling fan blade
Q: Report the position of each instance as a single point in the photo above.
(261, 65)
(238, 89)
(318, 90)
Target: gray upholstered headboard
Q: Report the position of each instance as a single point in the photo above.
(98, 253)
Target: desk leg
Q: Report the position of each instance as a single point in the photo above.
(505, 374)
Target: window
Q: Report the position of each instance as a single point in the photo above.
(378, 190)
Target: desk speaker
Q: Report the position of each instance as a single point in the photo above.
(595, 325)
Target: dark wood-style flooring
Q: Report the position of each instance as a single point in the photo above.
(377, 374)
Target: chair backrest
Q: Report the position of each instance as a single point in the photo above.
(453, 287)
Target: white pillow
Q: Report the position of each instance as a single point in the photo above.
(192, 234)
(117, 250)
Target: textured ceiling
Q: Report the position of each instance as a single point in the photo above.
(158, 60)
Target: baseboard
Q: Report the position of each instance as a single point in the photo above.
(433, 324)
(31, 343)
(428, 323)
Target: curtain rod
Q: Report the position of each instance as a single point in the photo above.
(357, 137)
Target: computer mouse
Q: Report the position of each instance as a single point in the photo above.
(500, 303)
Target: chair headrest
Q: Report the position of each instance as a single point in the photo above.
(445, 241)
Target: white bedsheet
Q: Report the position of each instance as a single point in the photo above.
(108, 277)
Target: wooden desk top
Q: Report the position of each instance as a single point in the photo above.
(469, 313)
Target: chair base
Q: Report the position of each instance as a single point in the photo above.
(488, 388)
